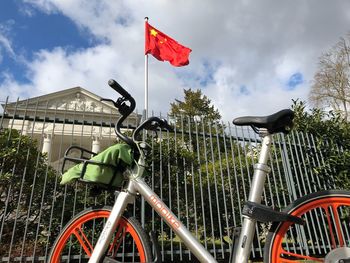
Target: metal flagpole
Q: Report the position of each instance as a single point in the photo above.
(145, 117)
(146, 77)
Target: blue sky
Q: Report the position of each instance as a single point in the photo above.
(31, 30)
(248, 57)
(295, 80)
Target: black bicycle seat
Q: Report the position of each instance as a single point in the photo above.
(281, 121)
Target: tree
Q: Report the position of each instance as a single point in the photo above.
(23, 172)
(32, 206)
(331, 86)
(332, 138)
(195, 105)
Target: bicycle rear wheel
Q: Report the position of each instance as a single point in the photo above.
(325, 234)
(75, 243)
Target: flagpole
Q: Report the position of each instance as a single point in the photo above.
(145, 117)
(146, 78)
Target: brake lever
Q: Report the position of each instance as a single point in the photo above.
(164, 124)
(109, 100)
(152, 126)
(120, 104)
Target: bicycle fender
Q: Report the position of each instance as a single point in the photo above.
(266, 214)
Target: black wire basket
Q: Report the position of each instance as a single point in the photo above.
(85, 159)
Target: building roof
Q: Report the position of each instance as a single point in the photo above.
(62, 104)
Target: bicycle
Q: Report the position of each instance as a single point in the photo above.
(122, 239)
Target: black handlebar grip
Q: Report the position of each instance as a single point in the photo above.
(166, 125)
(115, 85)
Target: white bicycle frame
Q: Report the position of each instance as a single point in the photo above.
(137, 185)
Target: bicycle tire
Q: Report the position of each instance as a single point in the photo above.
(326, 215)
(75, 243)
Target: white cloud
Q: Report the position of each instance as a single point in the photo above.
(12, 88)
(44, 5)
(254, 45)
(5, 43)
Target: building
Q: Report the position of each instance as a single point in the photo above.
(69, 117)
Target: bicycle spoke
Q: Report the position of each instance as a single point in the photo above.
(334, 221)
(284, 252)
(83, 240)
(330, 228)
(119, 237)
(337, 224)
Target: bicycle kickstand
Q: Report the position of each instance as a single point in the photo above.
(157, 253)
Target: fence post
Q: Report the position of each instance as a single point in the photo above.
(287, 169)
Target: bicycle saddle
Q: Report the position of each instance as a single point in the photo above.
(281, 121)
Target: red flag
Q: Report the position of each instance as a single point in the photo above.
(163, 47)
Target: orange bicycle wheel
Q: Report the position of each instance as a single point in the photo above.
(75, 243)
(325, 236)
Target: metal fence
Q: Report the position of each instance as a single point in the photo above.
(202, 171)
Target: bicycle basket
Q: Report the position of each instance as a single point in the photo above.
(105, 168)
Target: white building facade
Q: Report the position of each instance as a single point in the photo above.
(69, 117)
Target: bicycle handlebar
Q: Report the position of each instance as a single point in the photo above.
(152, 123)
(115, 85)
(125, 110)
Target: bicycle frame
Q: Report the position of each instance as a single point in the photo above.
(136, 185)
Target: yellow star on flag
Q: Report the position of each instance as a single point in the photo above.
(153, 32)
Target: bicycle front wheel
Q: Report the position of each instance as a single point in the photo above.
(75, 243)
(325, 234)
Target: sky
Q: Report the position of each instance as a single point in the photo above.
(248, 57)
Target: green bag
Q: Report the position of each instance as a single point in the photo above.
(119, 155)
